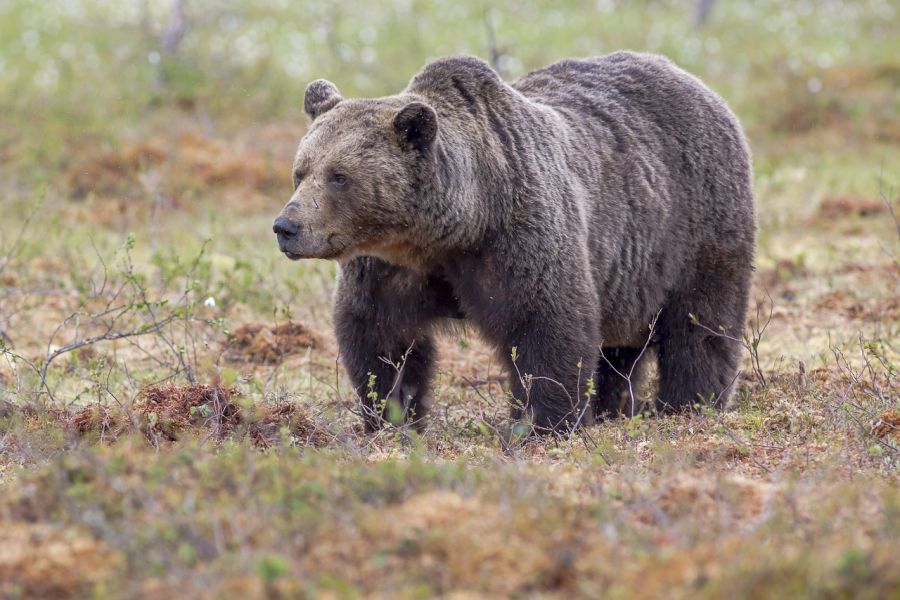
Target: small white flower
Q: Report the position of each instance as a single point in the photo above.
(210, 302)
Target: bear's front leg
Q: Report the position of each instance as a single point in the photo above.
(382, 318)
(551, 361)
(392, 379)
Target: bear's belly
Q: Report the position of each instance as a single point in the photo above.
(621, 339)
(446, 299)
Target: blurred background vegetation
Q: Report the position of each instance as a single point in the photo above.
(146, 105)
(182, 116)
(79, 68)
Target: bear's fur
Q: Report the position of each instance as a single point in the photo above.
(559, 215)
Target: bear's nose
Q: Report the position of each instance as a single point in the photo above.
(284, 228)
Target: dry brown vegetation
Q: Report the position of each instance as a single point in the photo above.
(165, 414)
(47, 562)
(261, 343)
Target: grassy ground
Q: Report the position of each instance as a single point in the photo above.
(173, 422)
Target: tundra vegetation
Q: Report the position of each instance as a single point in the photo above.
(173, 421)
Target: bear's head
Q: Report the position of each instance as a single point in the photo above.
(358, 177)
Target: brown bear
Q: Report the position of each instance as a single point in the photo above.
(560, 215)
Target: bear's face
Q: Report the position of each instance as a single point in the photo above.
(355, 177)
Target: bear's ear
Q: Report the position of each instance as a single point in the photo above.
(416, 126)
(321, 96)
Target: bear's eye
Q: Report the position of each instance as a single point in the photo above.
(338, 180)
(298, 177)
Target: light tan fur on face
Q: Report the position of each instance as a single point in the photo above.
(370, 214)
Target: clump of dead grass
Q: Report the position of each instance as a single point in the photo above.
(888, 425)
(833, 208)
(267, 344)
(171, 412)
(165, 412)
(215, 163)
(97, 418)
(170, 168)
(115, 173)
(852, 307)
(272, 419)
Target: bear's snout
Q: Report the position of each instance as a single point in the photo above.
(287, 232)
(284, 229)
(297, 240)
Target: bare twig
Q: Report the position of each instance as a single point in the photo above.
(703, 12)
(628, 377)
(176, 28)
(10, 254)
(490, 31)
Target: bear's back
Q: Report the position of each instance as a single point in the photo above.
(630, 85)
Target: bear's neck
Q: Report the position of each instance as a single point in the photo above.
(484, 163)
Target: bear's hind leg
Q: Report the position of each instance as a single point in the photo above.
(699, 350)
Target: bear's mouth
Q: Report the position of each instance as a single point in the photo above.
(327, 254)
